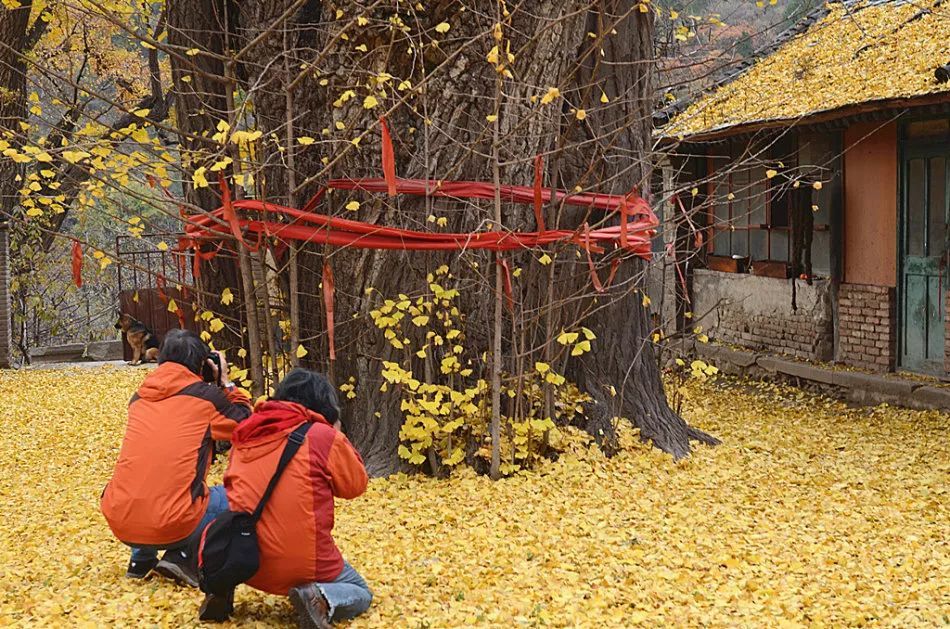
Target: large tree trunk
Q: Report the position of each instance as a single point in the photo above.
(443, 133)
(622, 374)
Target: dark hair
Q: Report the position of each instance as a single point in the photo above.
(312, 390)
(185, 348)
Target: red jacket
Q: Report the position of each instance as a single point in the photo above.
(158, 494)
(294, 532)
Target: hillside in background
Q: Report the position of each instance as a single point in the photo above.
(699, 41)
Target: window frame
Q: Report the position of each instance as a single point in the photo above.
(737, 149)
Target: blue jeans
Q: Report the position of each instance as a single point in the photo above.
(217, 504)
(348, 595)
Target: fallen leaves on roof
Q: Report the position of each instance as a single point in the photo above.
(855, 54)
(811, 513)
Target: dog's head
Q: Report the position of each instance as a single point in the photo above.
(125, 322)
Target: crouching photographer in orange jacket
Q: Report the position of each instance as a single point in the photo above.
(298, 557)
(157, 498)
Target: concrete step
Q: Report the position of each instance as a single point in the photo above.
(861, 387)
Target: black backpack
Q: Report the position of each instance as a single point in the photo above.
(228, 554)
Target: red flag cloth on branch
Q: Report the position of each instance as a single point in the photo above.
(389, 159)
(160, 284)
(538, 180)
(506, 279)
(328, 303)
(77, 263)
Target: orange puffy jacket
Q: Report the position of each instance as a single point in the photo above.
(294, 532)
(157, 495)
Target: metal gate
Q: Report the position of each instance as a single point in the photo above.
(150, 277)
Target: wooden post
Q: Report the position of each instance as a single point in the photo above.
(293, 279)
(499, 288)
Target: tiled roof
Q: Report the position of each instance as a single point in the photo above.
(845, 54)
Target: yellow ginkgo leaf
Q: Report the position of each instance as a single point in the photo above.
(306, 140)
(162, 246)
(227, 296)
(566, 338)
(301, 351)
(550, 95)
(442, 27)
(369, 102)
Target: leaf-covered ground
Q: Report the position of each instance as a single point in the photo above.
(811, 513)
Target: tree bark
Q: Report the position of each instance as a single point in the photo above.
(14, 25)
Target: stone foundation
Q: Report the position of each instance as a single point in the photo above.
(756, 312)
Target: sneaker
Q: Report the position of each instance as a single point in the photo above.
(177, 565)
(216, 608)
(140, 569)
(313, 611)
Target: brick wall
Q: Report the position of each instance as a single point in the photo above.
(867, 329)
(756, 312)
(6, 342)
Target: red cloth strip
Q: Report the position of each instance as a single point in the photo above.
(506, 279)
(634, 203)
(389, 159)
(77, 263)
(328, 290)
(538, 201)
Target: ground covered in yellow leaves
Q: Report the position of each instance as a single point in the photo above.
(810, 513)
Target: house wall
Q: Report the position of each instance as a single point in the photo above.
(756, 312)
(867, 329)
(870, 204)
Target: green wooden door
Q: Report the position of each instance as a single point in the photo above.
(925, 211)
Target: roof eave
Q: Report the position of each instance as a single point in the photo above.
(827, 115)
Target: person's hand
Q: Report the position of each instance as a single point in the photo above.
(221, 377)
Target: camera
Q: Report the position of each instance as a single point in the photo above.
(207, 373)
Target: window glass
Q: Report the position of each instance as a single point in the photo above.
(740, 202)
(916, 194)
(779, 248)
(758, 197)
(821, 253)
(740, 242)
(937, 203)
(759, 244)
(721, 243)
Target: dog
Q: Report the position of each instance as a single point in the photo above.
(143, 342)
